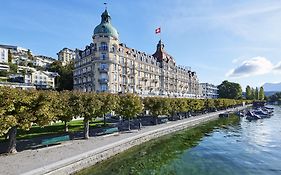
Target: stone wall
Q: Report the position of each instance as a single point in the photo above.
(87, 159)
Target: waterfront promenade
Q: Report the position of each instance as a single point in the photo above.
(74, 155)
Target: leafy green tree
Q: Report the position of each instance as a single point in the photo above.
(256, 93)
(63, 109)
(261, 93)
(275, 97)
(15, 112)
(3, 73)
(65, 79)
(248, 93)
(130, 105)
(156, 106)
(230, 90)
(209, 104)
(173, 106)
(10, 56)
(13, 68)
(109, 103)
(253, 93)
(196, 105)
(219, 104)
(85, 105)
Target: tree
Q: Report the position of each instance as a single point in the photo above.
(275, 97)
(13, 68)
(156, 106)
(130, 105)
(256, 93)
(63, 108)
(109, 103)
(15, 112)
(3, 73)
(230, 90)
(253, 93)
(261, 93)
(84, 105)
(209, 104)
(10, 56)
(44, 107)
(65, 79)
(248, 93)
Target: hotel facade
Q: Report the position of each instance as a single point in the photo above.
(106, 65)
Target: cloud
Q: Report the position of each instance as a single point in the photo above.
(278, 67)
(251, 67)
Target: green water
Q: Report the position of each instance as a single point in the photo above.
(221, 147)
(154, 156)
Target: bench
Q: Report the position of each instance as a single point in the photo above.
(224, 115)
(51, 141)
(164, 120)
(108, 131)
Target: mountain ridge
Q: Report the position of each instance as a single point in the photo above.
(272, 87)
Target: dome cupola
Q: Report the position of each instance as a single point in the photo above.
(105, 26)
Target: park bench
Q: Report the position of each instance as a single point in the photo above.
(53, 140)
(108, 131)
(224, 115)
(163, 120)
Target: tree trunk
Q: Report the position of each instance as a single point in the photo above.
(140, 125)
(104, 123)
(12, 140)
(65, 126)
(86, 128)
(7, 135)
(129, 125)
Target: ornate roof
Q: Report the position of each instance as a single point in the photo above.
(161, 55)
(105, 27)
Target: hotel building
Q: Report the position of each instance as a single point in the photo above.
(208, 90)
(106, 65)
(66, 55)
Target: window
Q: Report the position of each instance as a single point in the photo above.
(103, 87)
(89, 79)
(103, 56)
(103, 65)
(104, 46)
(115, 77)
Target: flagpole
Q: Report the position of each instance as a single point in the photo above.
(160, 33)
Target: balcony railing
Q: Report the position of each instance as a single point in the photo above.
(103, 69)
(103, 80)
(103, 48)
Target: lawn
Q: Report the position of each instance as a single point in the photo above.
(54, 129)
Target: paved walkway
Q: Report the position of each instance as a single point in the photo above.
(30, 160)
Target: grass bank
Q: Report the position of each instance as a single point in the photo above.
(149, 157)
(54, 129)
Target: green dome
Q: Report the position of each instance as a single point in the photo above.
(105, 26)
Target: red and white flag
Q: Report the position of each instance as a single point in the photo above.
(158, 30)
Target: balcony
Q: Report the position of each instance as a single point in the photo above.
(103, 69)
(103, 48)
(103, 80)
(155, 80)
(144, 78)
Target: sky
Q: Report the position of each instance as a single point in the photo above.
(239, 40)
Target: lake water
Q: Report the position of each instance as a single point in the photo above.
(238, 149)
